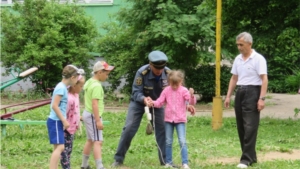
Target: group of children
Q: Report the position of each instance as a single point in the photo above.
(64, 118)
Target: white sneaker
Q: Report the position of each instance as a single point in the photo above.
(170, 166)
(242, 166)
(185, 166)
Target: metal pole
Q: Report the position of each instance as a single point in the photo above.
(217, 100)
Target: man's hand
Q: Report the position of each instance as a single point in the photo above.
(148, 101)
(227, 102)
(99, 125)
(260, 105)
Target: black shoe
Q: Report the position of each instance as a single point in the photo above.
(117, 164)
(88, 167)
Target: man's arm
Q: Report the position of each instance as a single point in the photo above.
(231, 87)
(137, 88)
(264, 85)
(263, 92)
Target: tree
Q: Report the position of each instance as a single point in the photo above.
(180, 28)
(48, 35)
(274, 25)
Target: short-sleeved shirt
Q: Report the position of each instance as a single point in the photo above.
(249, 71)
(93, 90)
(60, 89)
(147, 84)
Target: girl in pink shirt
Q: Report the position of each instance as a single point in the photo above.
(73, 117)
(177, 99)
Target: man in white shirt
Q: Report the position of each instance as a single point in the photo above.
(249, 74)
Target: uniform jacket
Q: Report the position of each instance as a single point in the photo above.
(145, 84)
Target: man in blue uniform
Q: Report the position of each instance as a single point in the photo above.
(148, 83)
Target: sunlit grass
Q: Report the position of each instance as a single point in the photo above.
(30, 148)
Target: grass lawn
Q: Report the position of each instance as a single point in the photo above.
(30, 148)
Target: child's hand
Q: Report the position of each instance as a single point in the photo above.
(191, 109)
(66, 124)
(191, 90)
(99, 125)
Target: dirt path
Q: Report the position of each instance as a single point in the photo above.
(277, 106)
(269, 156)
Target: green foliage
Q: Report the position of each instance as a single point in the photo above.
(202, 79)
(48, 35)
(294, 79)
(296, 110)
(181, 29)
(274, 26)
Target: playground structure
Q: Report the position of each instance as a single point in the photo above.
(17, 78)
(7, 117)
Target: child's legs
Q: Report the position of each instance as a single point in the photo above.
(169, 127)
(97, 150)
(56, 137)
(65, 160)
(58, 149)
(181, 133)
(88, 147)
(94, 136)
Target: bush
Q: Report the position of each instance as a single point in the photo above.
(202, 79)
(48, 35)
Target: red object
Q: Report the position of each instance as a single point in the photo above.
(9, 114)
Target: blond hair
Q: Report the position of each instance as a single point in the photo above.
(69, 71)
(80, 80)
(176, 77)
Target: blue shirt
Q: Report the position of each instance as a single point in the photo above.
(60, 89)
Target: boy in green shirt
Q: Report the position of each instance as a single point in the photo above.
(94, 107)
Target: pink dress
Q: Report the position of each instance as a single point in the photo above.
(73, 112)
(176, 102)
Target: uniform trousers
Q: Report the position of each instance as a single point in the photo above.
(133, 120)
(247, 119)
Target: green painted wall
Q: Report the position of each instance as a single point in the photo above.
(100, 13)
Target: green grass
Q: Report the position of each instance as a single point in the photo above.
(30, 149)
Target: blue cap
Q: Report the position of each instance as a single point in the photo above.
(157, 56)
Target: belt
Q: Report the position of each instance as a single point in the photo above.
(248, 86)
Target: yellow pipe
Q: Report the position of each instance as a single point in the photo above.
(217, 100)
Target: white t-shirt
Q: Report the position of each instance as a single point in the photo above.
(249, 71)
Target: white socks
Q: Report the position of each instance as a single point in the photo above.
(85, 160)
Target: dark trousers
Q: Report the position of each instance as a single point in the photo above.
(247, 119)
(65, 159)
(133, 120)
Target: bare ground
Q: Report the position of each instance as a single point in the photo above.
(276, 106)
(269, 156)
